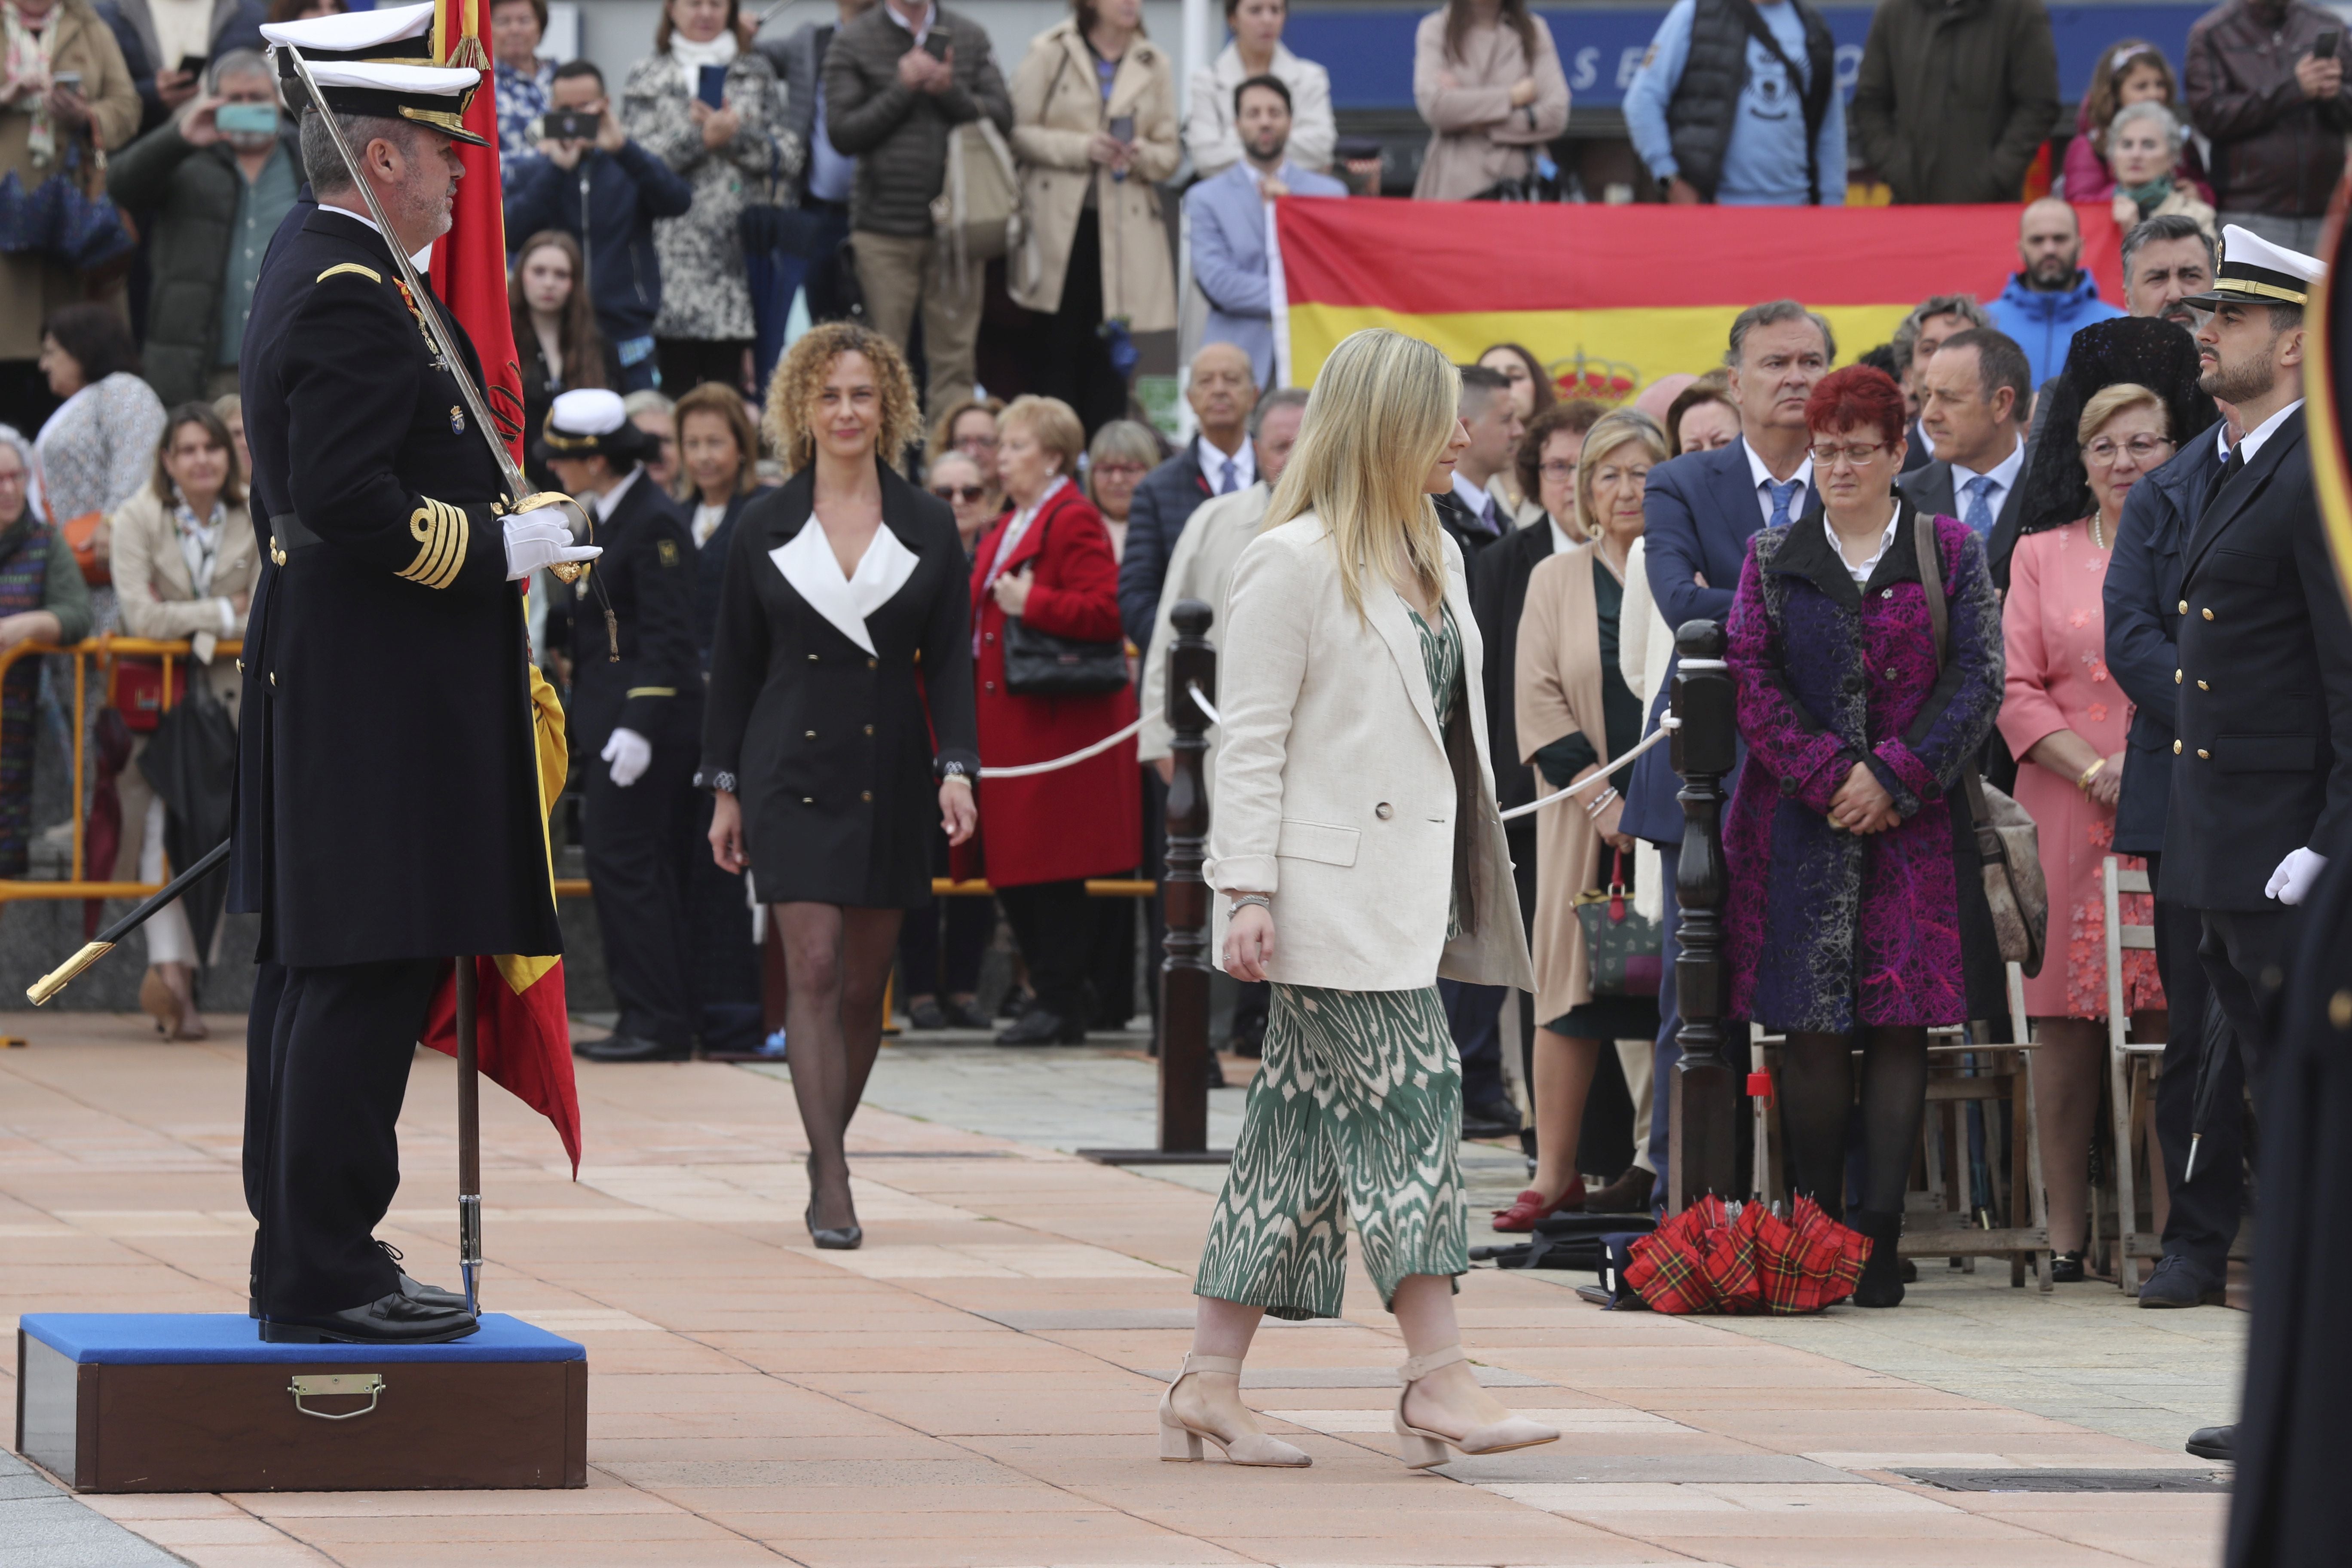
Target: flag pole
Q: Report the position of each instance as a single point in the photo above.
(470, 1137)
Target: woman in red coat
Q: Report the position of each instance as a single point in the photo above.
(1049, 563)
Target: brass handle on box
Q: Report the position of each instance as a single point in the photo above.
(319, 1385)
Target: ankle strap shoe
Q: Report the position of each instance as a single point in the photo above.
(1180, 1440)
(1422, 1448)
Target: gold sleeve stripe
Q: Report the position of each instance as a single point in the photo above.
(442, 533)
(370, 273)
(653, 691)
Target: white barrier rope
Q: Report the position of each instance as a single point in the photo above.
(1097, 749)
(1667, 725)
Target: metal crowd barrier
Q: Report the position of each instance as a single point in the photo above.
(109, 648)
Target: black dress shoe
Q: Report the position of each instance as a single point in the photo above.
(394, 1320)
(1040, 1028)
(1629, 1193)
(431, 1295)
(1016, 1004)
(926, 1013)
(619, 1047)
(2066, 1267)
(1482, 1123)
(2215, 1442)
(2177, 1282)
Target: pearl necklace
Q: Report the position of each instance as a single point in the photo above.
(2098, 534)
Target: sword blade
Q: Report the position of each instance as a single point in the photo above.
(427, 309)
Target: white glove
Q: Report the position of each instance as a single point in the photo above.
(630, 753)
(2291, 883)
(537, 539)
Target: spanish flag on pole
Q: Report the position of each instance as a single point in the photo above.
(522, 1032)
(1613, 298)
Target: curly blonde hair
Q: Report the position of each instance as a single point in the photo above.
(793, 391)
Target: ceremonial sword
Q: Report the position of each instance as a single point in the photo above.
(57, 979)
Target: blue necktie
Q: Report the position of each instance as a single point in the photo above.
(1783, 496)
(1233, 477)
(1979, 517)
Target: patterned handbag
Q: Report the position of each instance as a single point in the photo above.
(1623, 949)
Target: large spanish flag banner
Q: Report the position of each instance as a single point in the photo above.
(1616, 296)
(522, 1030)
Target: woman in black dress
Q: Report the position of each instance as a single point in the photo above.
(840, 717)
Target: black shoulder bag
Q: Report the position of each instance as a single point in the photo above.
(1039, 664)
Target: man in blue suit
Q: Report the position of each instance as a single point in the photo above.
(1699, 511)
(1228, 215)
(2143, 587)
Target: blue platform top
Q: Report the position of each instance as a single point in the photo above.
(182, 1338)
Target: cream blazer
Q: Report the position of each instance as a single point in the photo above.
(159, 599)
(1333, 792)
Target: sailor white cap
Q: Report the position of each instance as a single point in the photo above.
(2255, 271)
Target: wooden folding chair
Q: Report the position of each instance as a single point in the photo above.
(2133, 1068)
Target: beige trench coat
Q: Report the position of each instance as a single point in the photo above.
(1476, 136)
(1058, 107)
(32, 285)
(1558, 693)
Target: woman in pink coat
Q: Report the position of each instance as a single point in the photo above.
(2064, 718)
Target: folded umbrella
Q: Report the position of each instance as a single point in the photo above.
(1743, 1260)
(2212, 1053)
(191, 764)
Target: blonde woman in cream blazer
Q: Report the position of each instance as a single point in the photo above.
(1358, 842)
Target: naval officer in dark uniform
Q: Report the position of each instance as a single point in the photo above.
(635, 715)
(387, 812)
(2262, 781)
(2262, 770)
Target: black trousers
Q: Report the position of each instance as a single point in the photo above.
(944, 965)
(1475, 1016)
(2246, 954)
(637, 842)
(1068, 360)
(2203, 1219)
(725, 977)
(1052, 923)
(327, 1058)
(687, 363)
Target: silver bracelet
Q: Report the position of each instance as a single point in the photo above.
(1260, 899)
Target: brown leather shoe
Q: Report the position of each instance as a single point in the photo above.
(1629, 1193)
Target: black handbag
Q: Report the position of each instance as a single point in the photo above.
(1039, 664)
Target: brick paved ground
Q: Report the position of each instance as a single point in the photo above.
(976, 1385)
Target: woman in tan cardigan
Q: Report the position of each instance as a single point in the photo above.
(186, 562)
(1096, 248)
(1488, 80)
(1574, 709)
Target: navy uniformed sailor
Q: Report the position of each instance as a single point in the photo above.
(635, 715)
(387, 810)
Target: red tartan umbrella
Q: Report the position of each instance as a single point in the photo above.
(1743, 1258)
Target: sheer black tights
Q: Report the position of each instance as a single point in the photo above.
(836, 965)
(1816, 1093)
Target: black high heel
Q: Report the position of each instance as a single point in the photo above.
(840, 1238)
(2066, 1267)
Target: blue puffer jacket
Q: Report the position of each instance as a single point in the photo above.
(626, 191)
(2044, 324)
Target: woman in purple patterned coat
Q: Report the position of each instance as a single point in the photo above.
(1850, 920)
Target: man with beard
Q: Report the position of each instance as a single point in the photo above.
(2262, 762)
(2167, 261)
(2053, 298)
(1228, 218)
(218, 179)
(388, 813)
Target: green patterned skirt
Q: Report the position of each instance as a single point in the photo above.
(1360, 1097)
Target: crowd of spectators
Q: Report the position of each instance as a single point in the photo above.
(1586, 530)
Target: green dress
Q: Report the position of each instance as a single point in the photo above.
(1358, 1099)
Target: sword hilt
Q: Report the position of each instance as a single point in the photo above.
(57, 979)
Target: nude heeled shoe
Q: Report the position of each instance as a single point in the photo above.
(1420, 1447)
(1180, 1440)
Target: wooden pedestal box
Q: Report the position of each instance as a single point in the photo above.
(198, 1403)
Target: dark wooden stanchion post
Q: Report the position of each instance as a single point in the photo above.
(1185, 897)
(1704, 1156)
(1184, 1057)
